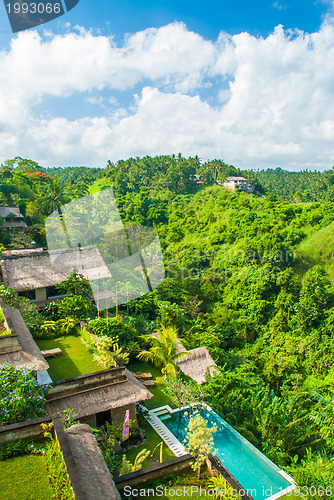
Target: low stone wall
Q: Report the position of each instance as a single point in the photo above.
(154, 472)
(217, 466)
(9, 343)
(23, 430)
(87, 471)
(83, 383)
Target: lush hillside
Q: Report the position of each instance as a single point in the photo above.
(250, 277)
(297, 186)
(317, 248)
(247, 278)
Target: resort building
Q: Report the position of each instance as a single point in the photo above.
(233, 184)
(96, 397)
(33, 272)
(12, 219)
(197, 364)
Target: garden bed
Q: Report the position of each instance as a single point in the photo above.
(159, 399)
(152, 440)
(25, 478)
(75, 359)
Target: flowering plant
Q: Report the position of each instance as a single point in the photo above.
(21, 396)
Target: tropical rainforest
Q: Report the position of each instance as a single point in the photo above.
(250, 276)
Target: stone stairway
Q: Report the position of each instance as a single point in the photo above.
(173, 444)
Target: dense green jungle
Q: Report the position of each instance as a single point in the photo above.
(250, 276)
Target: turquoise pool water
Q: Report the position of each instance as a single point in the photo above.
(248, 465)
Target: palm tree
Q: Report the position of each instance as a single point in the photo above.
(55, 196)
(164, 350)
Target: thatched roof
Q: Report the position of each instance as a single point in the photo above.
(10, 212)
(88, 472)
(27, 353)
(195, 366)
(14, 224)
(30, 269)
(104, 398)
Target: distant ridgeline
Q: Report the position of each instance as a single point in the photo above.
(297, 187)
(175, 174)
(144, 189)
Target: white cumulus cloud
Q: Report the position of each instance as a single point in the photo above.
(269, 101)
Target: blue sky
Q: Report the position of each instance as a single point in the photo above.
(207, 18)
(249, 82)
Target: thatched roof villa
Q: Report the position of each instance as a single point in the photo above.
(99, 396)
(96, 397)
(33, 272)
(12, 219)
(197, 363)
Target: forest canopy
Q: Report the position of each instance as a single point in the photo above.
(250, 276)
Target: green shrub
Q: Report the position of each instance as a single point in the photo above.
(106, 349)
(51, 311)
(30, 314)
(76, 307)
(119, 326)
(75, 285)
(9, 296)
(20, 447)
(54, 329)
(57, 471)
(21, 396)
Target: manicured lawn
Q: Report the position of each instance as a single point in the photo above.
(74, 360)
(24, 478)
(159, 399)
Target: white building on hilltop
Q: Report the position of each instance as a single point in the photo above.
(238, 184)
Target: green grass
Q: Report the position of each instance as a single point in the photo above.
(152, 440)
(24, 478)
(159, 399)
(317, 248)
(74, 360)
(97, 185)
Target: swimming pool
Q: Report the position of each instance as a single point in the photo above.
(255, 472)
